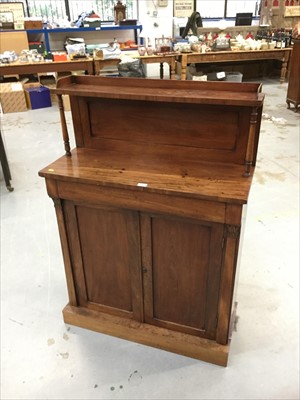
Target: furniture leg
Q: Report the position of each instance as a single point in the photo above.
(183, 67)
(5, 166)
(161, 71)
(283, 70)
(172, 69)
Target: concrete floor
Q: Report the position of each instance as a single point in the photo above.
(42, 358)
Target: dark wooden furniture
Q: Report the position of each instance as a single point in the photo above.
(293, 93)
(149, 207)
(5, 165)
(282, 55)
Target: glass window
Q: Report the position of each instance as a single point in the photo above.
(210, 9)
(105, 9)
(249, 6)
(225, 8)
(51, 9)
(56, 9)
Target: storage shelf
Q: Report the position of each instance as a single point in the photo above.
(100, 28)
(46, 32)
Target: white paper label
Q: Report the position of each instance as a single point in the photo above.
(220, 75)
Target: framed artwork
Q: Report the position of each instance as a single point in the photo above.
(293, 11)
(183, 8)
(17, 9)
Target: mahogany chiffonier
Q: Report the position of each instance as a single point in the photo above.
(149, 207)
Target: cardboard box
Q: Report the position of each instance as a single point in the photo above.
(33, 24)
(49, 81)
(66, 102)
(12, 97)
(38, 96)
(29, 85)
(92, 24)
(13, 41)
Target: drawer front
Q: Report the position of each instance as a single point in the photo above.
(143, 200)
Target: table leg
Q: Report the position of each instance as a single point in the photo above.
(172, 69)
(90, 68)
(283, 70)
(183, 67)
(161, 72)
(97, 67)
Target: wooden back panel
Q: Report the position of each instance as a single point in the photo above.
(193, 121)
(204, 133)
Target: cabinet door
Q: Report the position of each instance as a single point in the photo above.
(182, 266)
(105, 254)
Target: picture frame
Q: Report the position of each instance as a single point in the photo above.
(17, 8)
(183, 8)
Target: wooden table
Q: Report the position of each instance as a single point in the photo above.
(18, 68)
(282, 55)
(169, 59)
(100, 64)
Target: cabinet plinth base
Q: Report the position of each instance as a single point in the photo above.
(176, 342)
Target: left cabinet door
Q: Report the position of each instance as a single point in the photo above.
(104, 245)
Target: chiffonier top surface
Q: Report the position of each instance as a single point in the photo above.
(226, 93)
(217, 182)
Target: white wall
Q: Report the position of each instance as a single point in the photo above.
(157, 21)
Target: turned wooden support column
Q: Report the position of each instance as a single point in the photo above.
(161, 71)
(250, 145)
(64, 126)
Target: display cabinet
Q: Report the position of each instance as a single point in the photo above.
(149, 207)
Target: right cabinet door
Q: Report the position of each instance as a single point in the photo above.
(181, 261)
